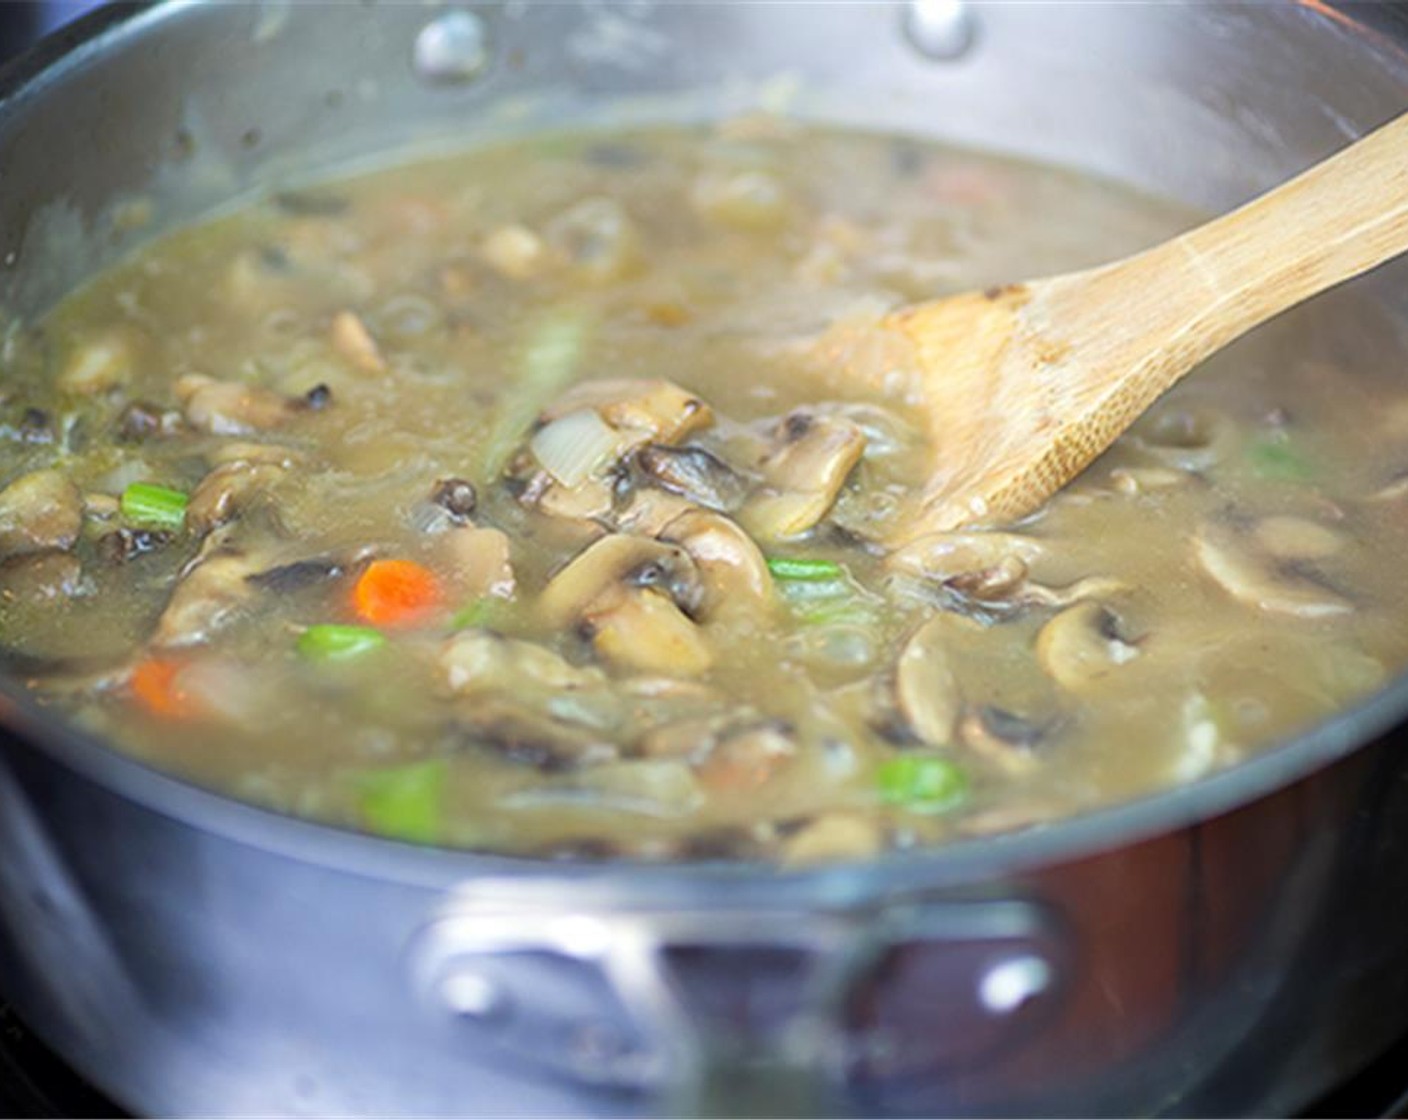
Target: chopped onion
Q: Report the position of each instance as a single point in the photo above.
(232, 690)
(571, 448)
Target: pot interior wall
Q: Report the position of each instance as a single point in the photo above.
(174, 113)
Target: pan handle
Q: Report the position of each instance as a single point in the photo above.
(759, 1012)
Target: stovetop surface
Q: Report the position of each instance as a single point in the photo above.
(36, 1082)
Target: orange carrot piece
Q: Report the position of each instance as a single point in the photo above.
(156, 686)
(396, 593)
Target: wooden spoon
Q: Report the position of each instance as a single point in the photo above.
(1024, 385)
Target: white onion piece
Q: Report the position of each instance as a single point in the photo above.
(123, 475)
(227, 688)
(572, 447)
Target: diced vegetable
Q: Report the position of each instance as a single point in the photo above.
(332, 642)
(482, 613)
(820, 592)
(570, 449)
(154, 507)
(798, 568)
(1275, 459)
(156, 685)
(405, 802)
(550, 356)
(396, 593)
(923, 782)
(833, 610)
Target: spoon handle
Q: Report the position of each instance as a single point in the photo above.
(1340, 218)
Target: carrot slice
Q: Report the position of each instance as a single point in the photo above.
(156, 685)
(396, 593)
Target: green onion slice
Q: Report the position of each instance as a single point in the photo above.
(547, 360)
(923, 782)
(1276, 460)
(484, 613)
(332, 642)
(154, 507)
(798, 569)
(405, 802)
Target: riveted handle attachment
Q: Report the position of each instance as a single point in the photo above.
(740, 1011)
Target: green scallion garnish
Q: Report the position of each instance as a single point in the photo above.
(405, 802)
(797, 569)
(924, 782)
(153, 507)
(333, 642)
(547, 359)
(482, 613)
(1274, 459)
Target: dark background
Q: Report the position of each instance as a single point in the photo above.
(23, 21)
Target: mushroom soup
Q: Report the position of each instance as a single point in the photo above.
(508, 502)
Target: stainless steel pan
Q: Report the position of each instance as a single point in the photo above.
(1233, 947)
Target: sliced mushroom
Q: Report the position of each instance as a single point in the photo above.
(735, 574)
(996, 562)
(576, 458)
(1297, 538)
(531, 738)
(32, 425)
(1011, 817)
(208, 597)
(141, 421)
(514, 251)
(351, 339)
(41, 577)
(1004, 580)
(1091, 587)
(126, 543)
(803, 474)
(457, 497)
(227, 408)
(1004, 738)
(597, 238)
(97, 364)
(219, 496)
(478, 661)
(749, 756)
(616, 561)
(641, 629)
(1188, 439)
(649, 511)
(663, 788)
(39, 512)
(751, 200)
(834, 836)
(928, 698)
(1083, 645)
(652, 411)
(101, 507)
(479, 562)
(988, 574)
(690, 738)
(588, 501)
(1132, 481)
(1238, 565)
(694, 473)
(299, 575)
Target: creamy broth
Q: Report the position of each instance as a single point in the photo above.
(504, 502)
